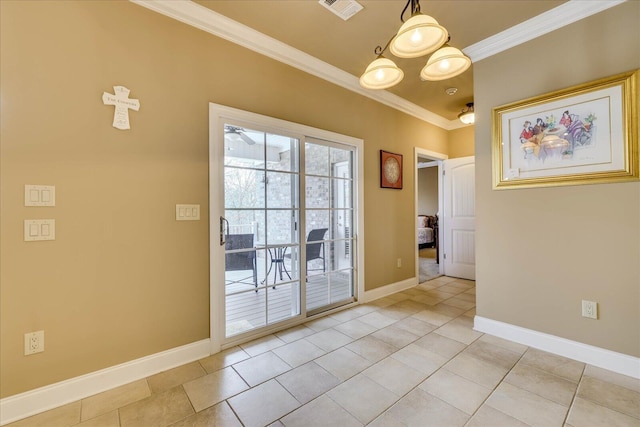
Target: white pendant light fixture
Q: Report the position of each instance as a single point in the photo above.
(419, 35)
(468, 115)
(381, 74)
(447, 62)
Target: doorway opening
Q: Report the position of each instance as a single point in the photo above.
(428, 202)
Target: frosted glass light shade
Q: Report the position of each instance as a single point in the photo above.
(381, 74)
(420, 35)
(445, 63)
(468, 117)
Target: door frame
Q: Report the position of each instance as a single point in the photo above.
(217, 115)
(439, 157)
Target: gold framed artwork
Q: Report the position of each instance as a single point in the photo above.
(586, 134)
(390, 170)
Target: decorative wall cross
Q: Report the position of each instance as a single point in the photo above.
(122, 103)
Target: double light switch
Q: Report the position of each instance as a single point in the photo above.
(39, 195)
(39, 229)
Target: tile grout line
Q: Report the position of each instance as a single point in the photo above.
(575, 394)
(374, 363)
(496, 387)
(344, 346)
(428, 376)
(377, 309)
(390, 312)
(599, 403)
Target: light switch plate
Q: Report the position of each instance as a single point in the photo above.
(39, 229)
(187, 212)
(39, 195)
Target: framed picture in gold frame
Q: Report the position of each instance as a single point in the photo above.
(390, 170)
(586, 134)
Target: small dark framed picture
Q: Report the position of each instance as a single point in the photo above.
(390, 170)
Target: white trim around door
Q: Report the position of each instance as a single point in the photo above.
(439, 157)
(218, 115)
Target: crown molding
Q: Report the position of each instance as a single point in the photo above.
(219, 25)
(551, 20)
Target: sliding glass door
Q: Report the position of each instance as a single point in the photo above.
(260, 226)
(283, 220)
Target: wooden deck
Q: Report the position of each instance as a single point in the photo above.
(248, 309)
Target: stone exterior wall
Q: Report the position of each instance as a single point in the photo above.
(281, 186)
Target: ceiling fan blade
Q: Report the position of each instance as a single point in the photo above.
(228, 129)
(246, 139)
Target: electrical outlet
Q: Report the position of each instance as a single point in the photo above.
(399, 262)
(590, 309)
(33, 342)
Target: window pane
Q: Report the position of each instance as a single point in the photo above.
(291, 266)
(240, 269)
(316, 159)
(341, 285)
(341, 193)
(282, 265)
(282, 190)
(281, 227)
(282, 302)
(340, 254)
(317, 219)
(317, 291)
(317, 192)
(282, 153)
(341, 224)
(341, 160)
(245, 311)
(243, 188)
(243, 147)
(246, 222)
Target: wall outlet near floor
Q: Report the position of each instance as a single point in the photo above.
(399, 262)
(589, 309)
(33, 342)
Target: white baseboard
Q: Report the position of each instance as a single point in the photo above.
(596, 356)
(32, 402)
(392, 288)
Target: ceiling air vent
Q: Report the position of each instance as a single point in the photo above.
(345, 9)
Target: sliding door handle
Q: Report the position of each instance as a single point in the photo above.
(224, 230)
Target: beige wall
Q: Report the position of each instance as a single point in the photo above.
(123, 279)
(428, 191)
(461, 142)
(541, 251)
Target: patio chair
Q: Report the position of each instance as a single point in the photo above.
(315, 249)
(241, 261)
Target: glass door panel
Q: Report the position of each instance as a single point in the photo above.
(328, 225)
(261, 196)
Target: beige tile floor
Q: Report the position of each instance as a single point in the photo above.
(409, 359)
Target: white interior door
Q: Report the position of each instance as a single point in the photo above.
(459, 218)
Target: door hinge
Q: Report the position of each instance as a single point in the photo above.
(444, 256)
(443, 172)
